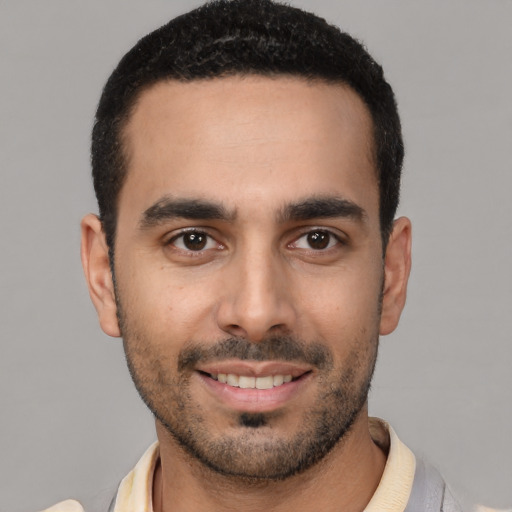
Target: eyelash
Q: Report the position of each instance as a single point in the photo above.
(323, 236)
(332, 240)
(193, 232)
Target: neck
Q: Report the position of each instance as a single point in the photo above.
(344, 480)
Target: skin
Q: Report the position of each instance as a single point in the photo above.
(254, 146)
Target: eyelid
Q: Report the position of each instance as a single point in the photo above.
(339, 238)
(176, 233)
(170, 239)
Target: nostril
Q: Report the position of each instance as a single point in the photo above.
(236, 330)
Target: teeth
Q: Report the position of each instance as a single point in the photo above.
(245, 382)
(264, 382)
(278, 380)
(232, 380)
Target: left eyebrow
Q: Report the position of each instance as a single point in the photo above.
(168, 208)
(322, 208)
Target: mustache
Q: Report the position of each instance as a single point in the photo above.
(280, 348)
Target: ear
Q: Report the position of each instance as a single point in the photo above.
(397, 266)
(96, 267)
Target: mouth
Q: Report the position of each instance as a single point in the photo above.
(252, 386)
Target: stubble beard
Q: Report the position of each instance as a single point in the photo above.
(251, 450)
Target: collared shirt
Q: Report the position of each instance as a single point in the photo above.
(392, 494)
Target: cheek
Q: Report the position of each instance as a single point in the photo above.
(164, 307)
(345, 306)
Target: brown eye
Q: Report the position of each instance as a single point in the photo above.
(194, 241)
(319, 239)
(316, 240)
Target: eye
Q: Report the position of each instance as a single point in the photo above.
(318, 240)
(193, 240)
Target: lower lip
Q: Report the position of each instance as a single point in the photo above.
(254, 400)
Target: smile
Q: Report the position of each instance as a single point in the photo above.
(254, 386)
(247, 382)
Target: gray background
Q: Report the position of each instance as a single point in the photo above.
(71, 422)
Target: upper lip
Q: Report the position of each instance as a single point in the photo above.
(254, 368)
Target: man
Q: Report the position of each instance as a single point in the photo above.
(246, 160)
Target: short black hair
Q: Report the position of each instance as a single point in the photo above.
(243, 37)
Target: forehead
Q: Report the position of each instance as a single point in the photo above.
(251, 138)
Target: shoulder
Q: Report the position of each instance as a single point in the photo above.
(135, 487)
(101, 502)
(411, 484)
(481, 508)
(66, 506)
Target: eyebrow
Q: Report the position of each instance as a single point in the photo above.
(168, 208)
(322, 208)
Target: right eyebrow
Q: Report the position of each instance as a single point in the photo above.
(168, 208)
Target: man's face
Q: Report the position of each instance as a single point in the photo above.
(248, 250)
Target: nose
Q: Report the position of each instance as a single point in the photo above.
(257, 297)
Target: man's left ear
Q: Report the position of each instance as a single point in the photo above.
(397, 266)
